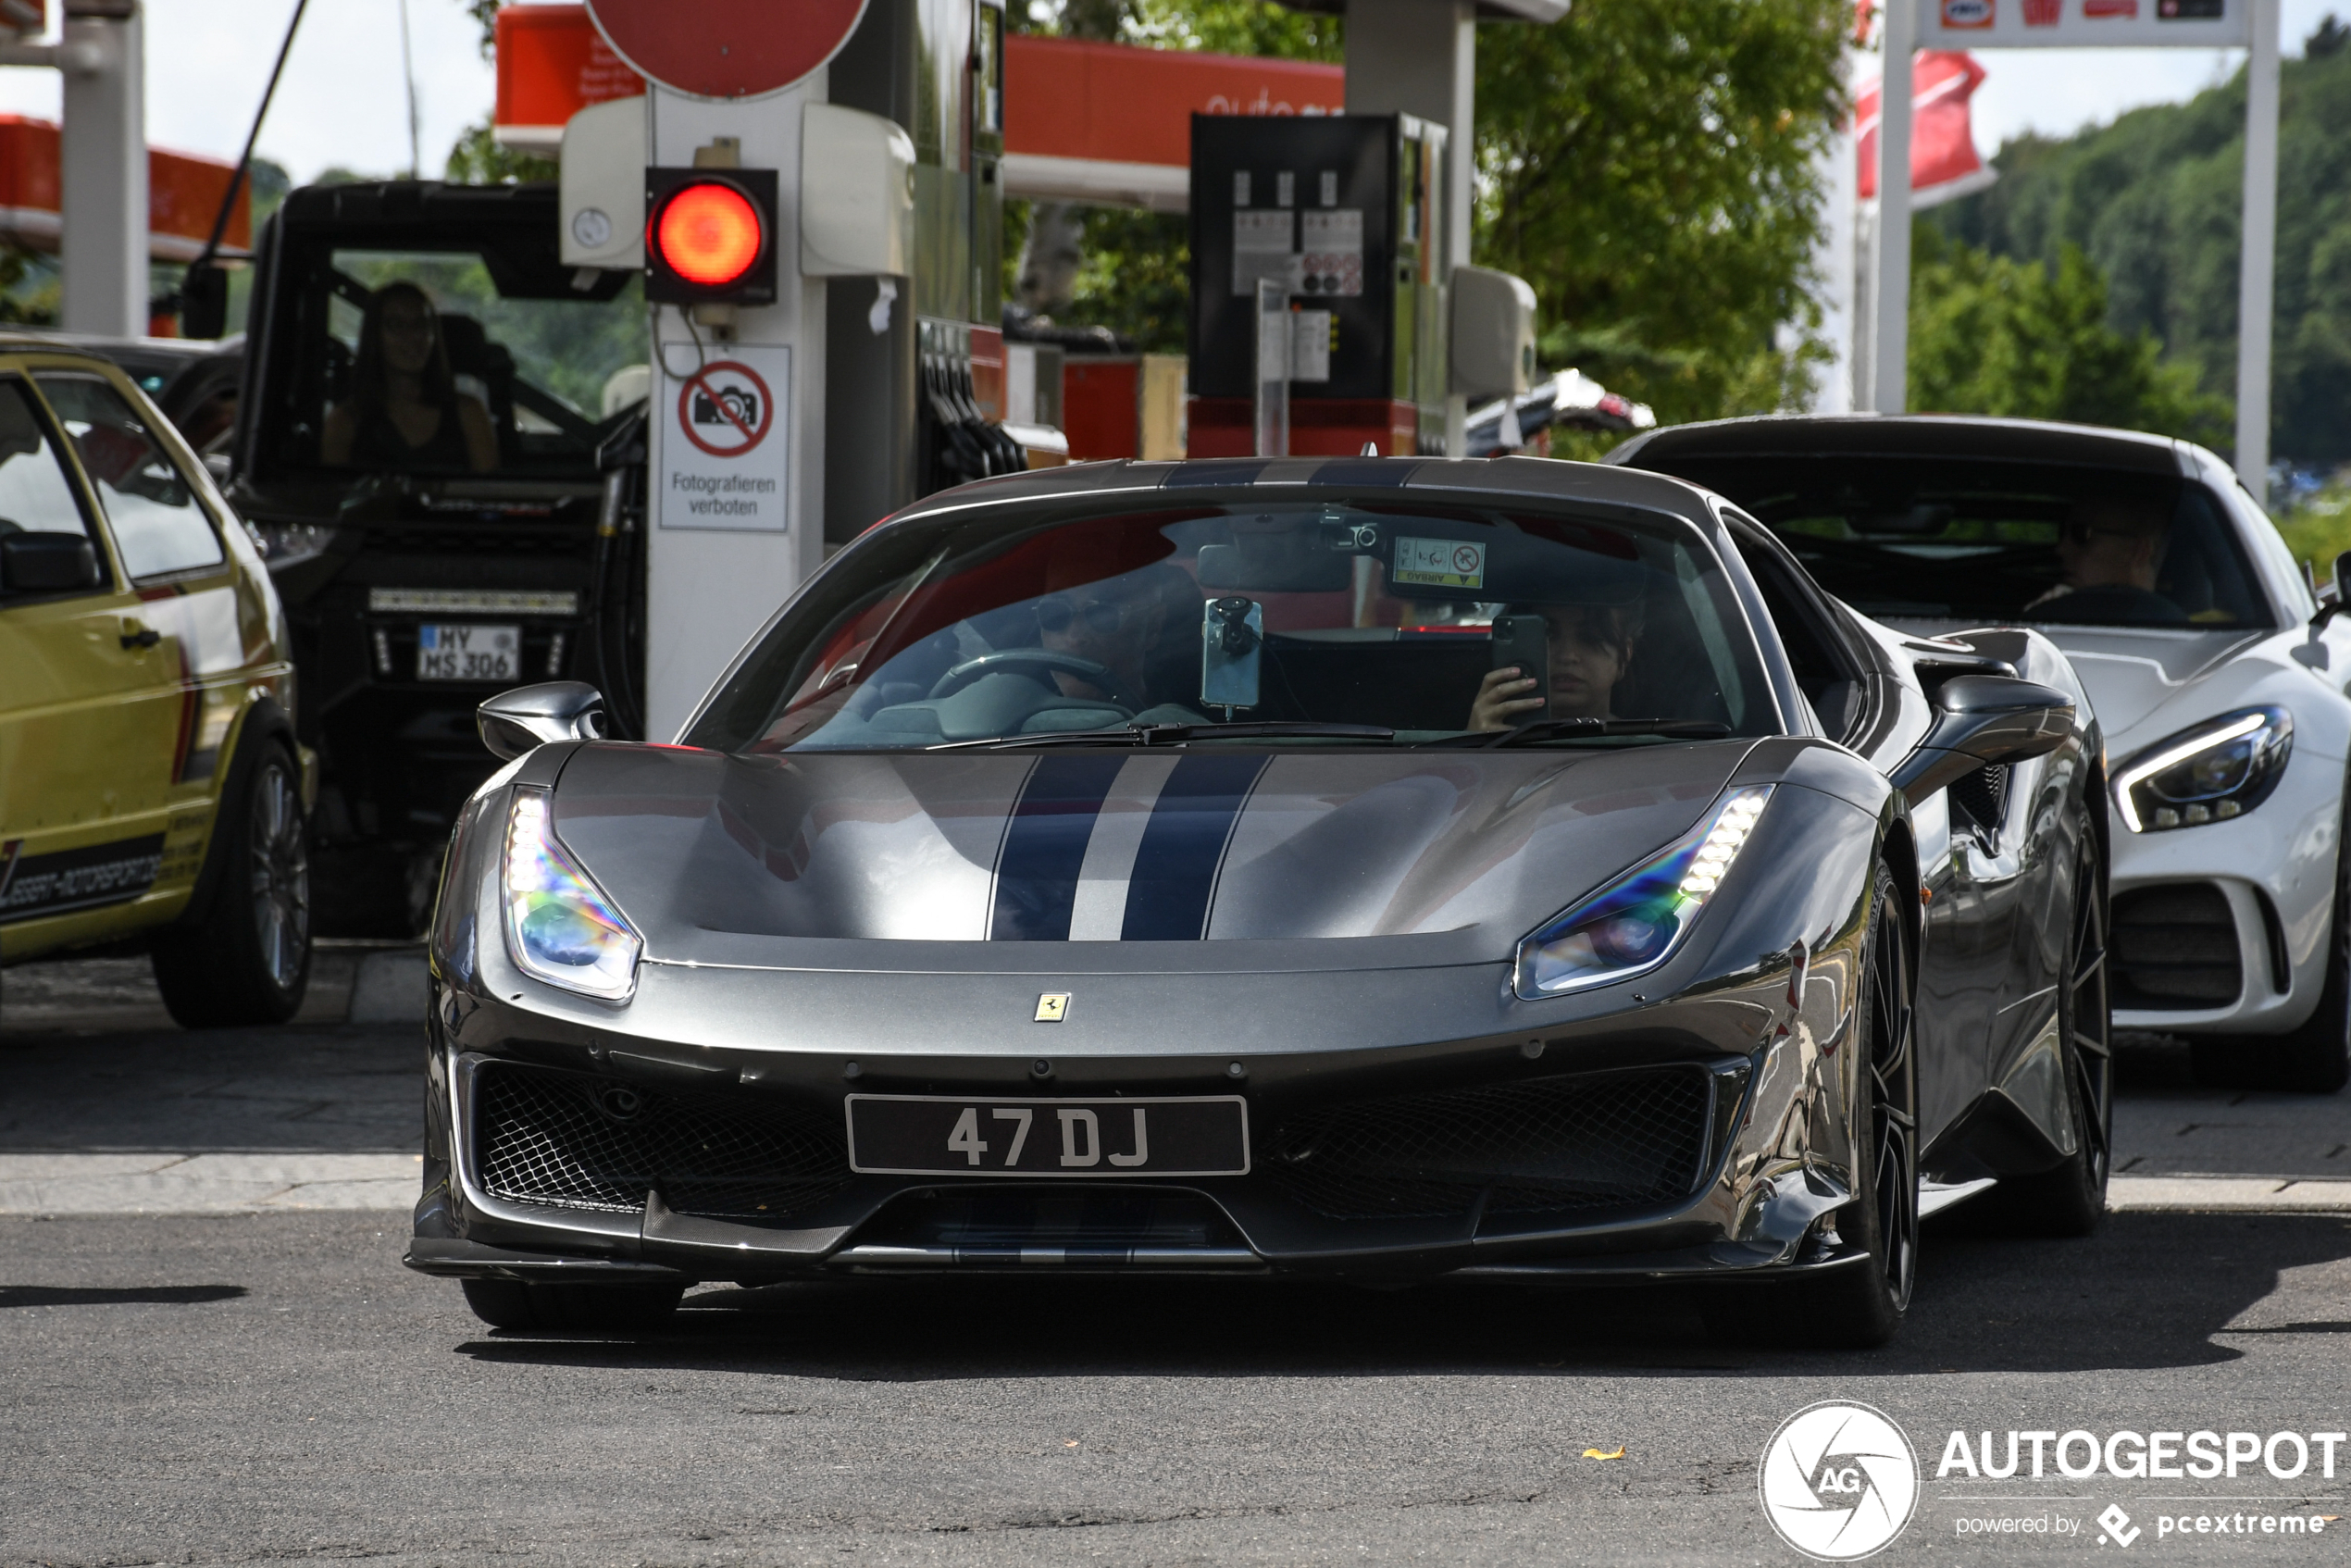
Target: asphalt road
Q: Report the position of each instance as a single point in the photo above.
(268, 1385)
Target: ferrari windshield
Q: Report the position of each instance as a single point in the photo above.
(1347, 621)
(1988, 542)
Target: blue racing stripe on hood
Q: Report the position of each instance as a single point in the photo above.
(1045, 846)
(1175, 868)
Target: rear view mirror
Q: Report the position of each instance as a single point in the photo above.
(47, 563)
(1294, 561)
(2341, 577)
(530, 717)
(1982, 720)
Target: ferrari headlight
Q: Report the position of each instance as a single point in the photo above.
(1635, 924)
(2217, 770)
(560, 928)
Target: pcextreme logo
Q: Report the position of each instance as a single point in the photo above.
(1839, 1481)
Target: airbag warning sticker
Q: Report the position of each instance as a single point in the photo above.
(1440, 563)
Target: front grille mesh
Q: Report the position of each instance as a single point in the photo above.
(1558, 1146)
(580, 1143)
(2175, 949)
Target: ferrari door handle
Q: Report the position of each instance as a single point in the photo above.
(146, 637)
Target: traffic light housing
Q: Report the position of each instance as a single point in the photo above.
(710, 236)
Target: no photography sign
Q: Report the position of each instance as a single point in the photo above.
(724, 458)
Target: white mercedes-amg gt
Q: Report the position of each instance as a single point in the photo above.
(2219, 683)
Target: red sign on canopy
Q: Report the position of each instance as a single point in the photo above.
(1944, 162)
(725, 48)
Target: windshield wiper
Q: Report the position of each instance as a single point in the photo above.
(1574, 729)
(1177, 734)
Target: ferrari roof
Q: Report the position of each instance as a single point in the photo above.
(1492, 476)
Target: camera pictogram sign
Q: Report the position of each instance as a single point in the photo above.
(726, 409)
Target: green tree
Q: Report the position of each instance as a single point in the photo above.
(2153, 201)
(478, 159)
(30, 292)
(1650, 167)
(1993, 335)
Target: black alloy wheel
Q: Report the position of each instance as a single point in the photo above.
(1860, 1303)
(244, 956)
(2070, 1200)
(277, 876)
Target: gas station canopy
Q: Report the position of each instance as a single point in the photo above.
(183, 195)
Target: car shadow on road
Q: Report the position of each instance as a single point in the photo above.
(2148, 1292)
(128, 1296)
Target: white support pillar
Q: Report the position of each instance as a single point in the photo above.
(103, 254)
(2256, 262)
(1890, 293)
(1832, 261)
(1420, 57)
(716, 575)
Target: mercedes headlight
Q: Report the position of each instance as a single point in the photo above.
(2218, 769)
(1635, 923)
(560, 927)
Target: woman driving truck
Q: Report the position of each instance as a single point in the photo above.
(405, 410)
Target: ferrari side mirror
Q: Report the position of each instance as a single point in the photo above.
(530, 717)
(1981, 720)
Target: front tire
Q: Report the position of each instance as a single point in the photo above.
(245, 957)
(506, 1303)
(1861, 1304)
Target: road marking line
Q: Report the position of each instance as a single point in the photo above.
(2242, 1194)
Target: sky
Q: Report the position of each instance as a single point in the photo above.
(344, 103)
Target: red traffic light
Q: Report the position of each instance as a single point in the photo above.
(709, 233)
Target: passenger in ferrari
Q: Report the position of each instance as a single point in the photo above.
(1591, 649)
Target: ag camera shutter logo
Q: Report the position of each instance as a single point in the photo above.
(1839, 1481)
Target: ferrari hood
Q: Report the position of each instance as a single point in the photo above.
(717, 858)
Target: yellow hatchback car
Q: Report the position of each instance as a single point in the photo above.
(152, 792)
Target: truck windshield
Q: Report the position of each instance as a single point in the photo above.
(1331, 623)
(417, 361)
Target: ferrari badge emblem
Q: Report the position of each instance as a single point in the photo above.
(1051, 1006)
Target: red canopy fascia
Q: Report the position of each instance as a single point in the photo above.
(183, 194)
(552, 64)
(1115, 103)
